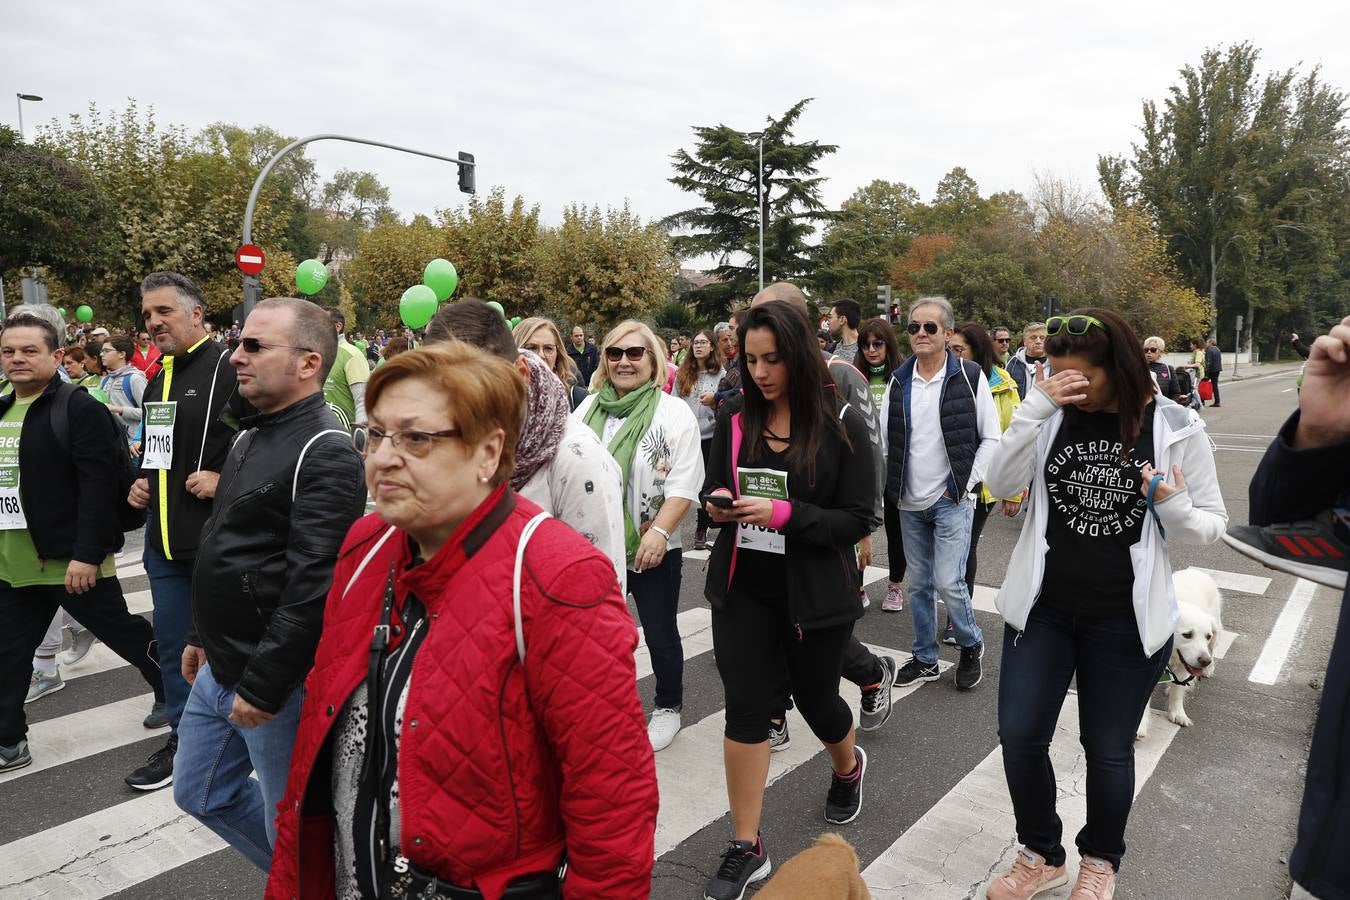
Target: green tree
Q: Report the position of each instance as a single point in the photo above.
(604, 267)
(983, 287)
(724, 171)
(492, 245)
(872, 229)
(957, 206)
(390, 259)
(53, 215)
(349, 204)
(1246, 178)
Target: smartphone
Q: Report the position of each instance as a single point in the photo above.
(721, 501)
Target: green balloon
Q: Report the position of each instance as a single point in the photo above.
(310, 276)
(515, 320)
(84, 313)
(441, 277)
(417, 306)
(62, 311)
(493, 304)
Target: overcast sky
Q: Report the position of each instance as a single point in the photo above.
(585, 101)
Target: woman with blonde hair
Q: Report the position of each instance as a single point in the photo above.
(654, 438)
(454, 612)
(541, 337)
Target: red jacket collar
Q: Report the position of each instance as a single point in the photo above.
(429, 579)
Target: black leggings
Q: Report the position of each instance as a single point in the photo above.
(976, 526)
(895, 542)
(753, 640)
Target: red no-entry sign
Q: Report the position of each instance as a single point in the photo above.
(249, 258)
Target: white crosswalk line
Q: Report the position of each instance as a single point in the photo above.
(690, 770)
(98, 659)
(969, 837)
(139, 602)
(58, 741)
(695, 626)
(1236, 581)
(1281, 640)
(132, 571)
(104, 852)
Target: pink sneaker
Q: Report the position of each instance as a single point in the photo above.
(1029, 875)
(1096, 880)
(895, 597)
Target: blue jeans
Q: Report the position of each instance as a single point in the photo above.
(211, 780)
(657, 595)
(1115, 680)
(171, 597)
(937, 540)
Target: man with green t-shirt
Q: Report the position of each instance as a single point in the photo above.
(345, 389)
(59, 498)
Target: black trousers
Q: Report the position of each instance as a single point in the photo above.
(26, 613)
(1213, 379)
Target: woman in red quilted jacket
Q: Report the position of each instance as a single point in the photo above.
(462, 737)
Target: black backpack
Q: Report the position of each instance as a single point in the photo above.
(1185, 387)
(129, 518)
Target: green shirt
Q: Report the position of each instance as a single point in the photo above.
(19, 563)
(349, 368)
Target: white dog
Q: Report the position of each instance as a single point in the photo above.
(1199, 627)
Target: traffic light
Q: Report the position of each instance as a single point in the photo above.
(466, 172)
(883, 297)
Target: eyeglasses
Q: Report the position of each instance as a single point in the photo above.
(540, 349)
(875, 345)
(614, 354)
(930, 327)
(702, 343)
(410, 442)
(1074, 324)
(253, 345)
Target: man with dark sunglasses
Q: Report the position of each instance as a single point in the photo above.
(291, 487)
(1002, 339)
(940, 429)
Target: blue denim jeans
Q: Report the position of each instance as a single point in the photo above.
(656, 592)
(171, 597)
(211, 772)
(1115, 680)
(937, 540)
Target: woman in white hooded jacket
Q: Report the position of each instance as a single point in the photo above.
(1116, 473)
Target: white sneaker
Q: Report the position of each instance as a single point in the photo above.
(40, 685)
(80, 642)
(662, 728)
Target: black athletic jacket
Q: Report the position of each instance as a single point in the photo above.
(265, 563)
(1291, 485)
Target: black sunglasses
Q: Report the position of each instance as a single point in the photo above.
(930, 327)
(875, 345)
(614, 354)
(253, 345)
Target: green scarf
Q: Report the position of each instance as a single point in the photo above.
(636, 408)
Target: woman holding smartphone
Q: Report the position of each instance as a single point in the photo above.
(794, 463)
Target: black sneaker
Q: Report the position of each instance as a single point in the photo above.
(15, 757)
(968, 670)
(158, 769)
(876, 701)
(779, 739)
(844, 801)
(914, 670)
(1310, 549)
(158, 717)
(742, 864)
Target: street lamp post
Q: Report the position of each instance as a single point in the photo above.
(759, 198)
(32, 98)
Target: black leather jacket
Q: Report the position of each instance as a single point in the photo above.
(265, 562)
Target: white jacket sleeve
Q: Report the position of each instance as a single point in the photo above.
(986, 420)
(1197, 514)
(1013, 463)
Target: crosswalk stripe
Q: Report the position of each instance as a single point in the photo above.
(139, 602)
(104, 852)
(695, 626)
(134, 570)
(969, 837)
(1236, 581)
(691, 770)
(98, 659)
(68, 738)
(1281, 639)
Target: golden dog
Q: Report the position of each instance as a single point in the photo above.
(827, 871)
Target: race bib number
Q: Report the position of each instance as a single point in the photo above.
(11, 510)
(769, 484)
(157, 448)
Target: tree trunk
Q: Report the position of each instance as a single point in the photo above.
(1213, 292)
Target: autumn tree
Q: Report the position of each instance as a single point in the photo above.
(923, 252)
(872, 229)
(724, 171)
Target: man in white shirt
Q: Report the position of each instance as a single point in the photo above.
(939, 430)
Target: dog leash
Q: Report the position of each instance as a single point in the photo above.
(1152, 489)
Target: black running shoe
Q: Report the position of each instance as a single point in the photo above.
(968, 670)
(15, 757)
(743, 863)
(914, 670)
(875, 708)
(844, 801)
(1310, 549)
(158, 769)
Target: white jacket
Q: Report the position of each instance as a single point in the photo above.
(1194, 515)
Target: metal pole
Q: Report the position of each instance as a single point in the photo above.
(1237, 347)
(759, 198)
(18, 101)
(252, 284)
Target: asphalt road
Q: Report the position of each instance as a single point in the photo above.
(1215, 815)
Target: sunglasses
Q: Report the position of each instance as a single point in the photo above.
(875, 345)
(1152, 349)
(253, 345)
(1002, 340)
(928, 327)
(1074, 324)
(614, 354)
(411, 442)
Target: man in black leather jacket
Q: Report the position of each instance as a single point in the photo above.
(290, 488)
